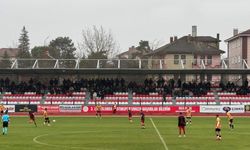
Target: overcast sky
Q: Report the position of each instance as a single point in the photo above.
(129, 20)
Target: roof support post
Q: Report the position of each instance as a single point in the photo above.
(35, 65)
(182, 64)
(77, 63)
(224, 64)
(245, 64)
(98, 64)
(14, 64)
(56, 66)
(203, 64)
(119, 64)
(161, 64)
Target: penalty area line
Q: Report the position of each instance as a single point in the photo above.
(159, 134)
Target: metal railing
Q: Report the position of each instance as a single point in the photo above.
(154, 64)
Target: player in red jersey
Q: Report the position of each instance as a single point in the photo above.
(142, 120)
(32, 118)
(181, 125)
(130, 115)
(114, 108)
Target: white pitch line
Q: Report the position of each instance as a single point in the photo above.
(157, 131)
(35, 139)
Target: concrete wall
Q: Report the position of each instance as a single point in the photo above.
(169, 61)
(248, 51)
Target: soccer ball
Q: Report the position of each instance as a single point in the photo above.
(54, 120)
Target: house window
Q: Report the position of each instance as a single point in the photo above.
(202, 58)
(183, 58)
(209, 59)
(176, 59)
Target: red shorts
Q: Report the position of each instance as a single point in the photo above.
(181, 127)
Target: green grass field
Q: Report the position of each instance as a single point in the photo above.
(116, 133)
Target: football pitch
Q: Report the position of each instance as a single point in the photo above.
(116, 133)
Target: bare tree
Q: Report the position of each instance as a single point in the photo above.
(155, 44)
(98, 43)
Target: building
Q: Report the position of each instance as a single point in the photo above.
(238, 52)
(136, 52)
(11, 52)
(189, 52)
(238, 49)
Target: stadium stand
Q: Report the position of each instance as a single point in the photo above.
(110, 91)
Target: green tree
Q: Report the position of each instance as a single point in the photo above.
(24, 48)
(63, 48)
(5, 62)
(40, 52)
(24, 44)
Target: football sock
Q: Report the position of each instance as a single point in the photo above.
(6, 130)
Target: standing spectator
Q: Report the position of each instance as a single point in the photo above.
(179, 83)
(181, 125)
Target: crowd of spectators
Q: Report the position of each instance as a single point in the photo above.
(172, 87)
(239, 90)
(103, 86)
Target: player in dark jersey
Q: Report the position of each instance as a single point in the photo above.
(130, 115)
(181, 125)
(114, 108)
(32, 118)
(142, 120)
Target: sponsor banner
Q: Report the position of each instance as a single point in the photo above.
(50, 108)
(222, 109)
(176, 109)
(25, 108)
(11, 108)
(169, 109)
(70, 108)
